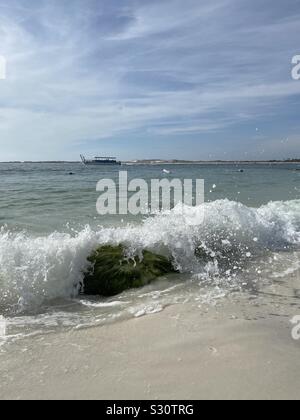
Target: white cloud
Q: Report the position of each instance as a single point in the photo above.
(170, 68)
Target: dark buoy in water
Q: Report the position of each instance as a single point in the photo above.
(241, 171)
(71, 173)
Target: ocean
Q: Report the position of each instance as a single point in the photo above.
(49, 227)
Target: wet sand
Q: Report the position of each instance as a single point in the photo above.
(181, 353)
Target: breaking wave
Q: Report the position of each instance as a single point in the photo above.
(34, 270)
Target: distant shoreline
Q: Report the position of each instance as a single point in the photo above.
(213, 162)
(175, 162)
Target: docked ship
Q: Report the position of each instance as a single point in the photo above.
(100, 161)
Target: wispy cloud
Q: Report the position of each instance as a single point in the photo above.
(84, 70)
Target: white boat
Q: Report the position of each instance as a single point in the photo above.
(100, 161)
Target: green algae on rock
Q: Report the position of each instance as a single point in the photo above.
(112, 273)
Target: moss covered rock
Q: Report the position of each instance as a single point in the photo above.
(111, 272)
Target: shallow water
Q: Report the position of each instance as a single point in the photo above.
(43, 198)
(250, 239)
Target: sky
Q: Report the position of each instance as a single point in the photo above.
(149, 79)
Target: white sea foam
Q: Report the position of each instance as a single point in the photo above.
(2, 326)
(34, 270)
(90, 304)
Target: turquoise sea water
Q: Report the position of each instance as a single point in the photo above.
(49, 225)
(42, 198)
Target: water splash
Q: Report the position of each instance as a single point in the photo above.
(34, 270)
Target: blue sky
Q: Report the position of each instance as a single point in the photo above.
(185, 79)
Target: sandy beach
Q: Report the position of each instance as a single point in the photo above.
(149, 201)
(222, 352)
